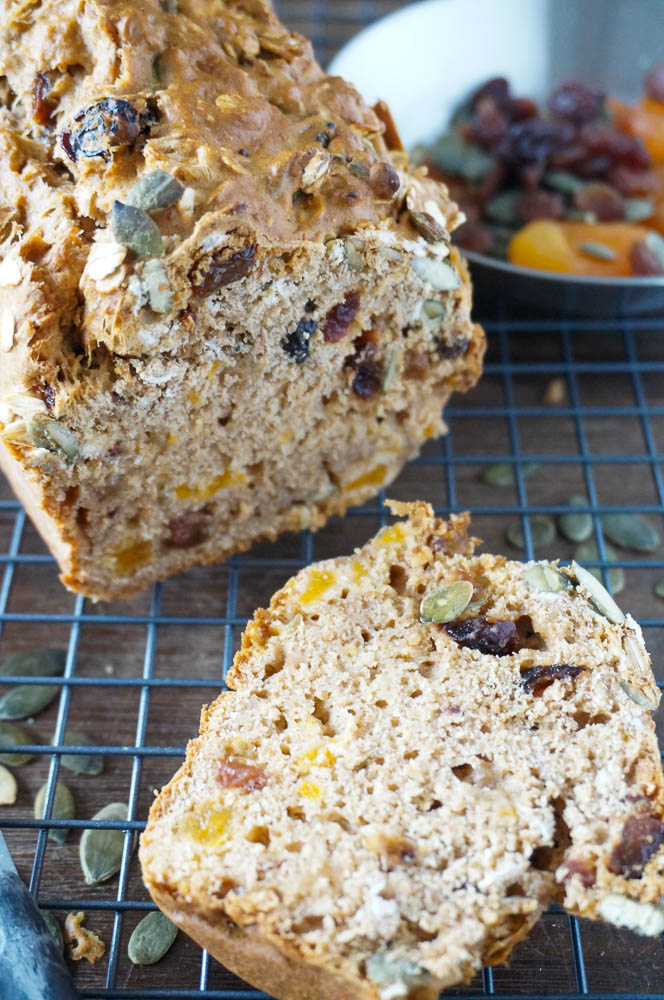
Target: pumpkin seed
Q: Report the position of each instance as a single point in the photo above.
(542, 532)
(599, 251)
(446, 603)
(34, 663)
(53, 436)
(504, 473)
(396, 971)
(155, 281)
(7, 787)
(151, 938)
(630, 531)
(155, 191)
(659, 588)
(637, 654)
(588, 552)
(638, 209)
(100, 851)
(12, 734)
(391, 365)
(503, 208)
(545, 578)
(91, 764)
(24, 701)
(562, 181)
(453, 155)
(655, 242)
(433, 314)
(637, 696)
(63, 808)
(354, 258)
(599, 596)
(427, 227)
(135, 229)
(358, 170)
(576, 527)
(440, 274)
(54, 929)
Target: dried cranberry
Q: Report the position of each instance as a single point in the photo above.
(475, 237)
(497, 638)
(631, 183)
(575, 867)
(103, 127)
(497, 88)
(538, 679)
(340, 317)
(452, 349)
(641, 838)
(576, 102)
(368, 379)
(644, 260)
(384, 180)
(42, 106)
(236, 774)
(296, 344)
(653, 82)
(600, 199)
(538, 204)
(222, 271)
(187, 530)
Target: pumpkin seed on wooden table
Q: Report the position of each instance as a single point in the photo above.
(25, 700)
(542, 532)
(90, 764)
(100, 850)
(63, 808)
(446, 603)
(630, 531)
(588, 552)
(54, 929)
(151, 938)
(576, 527)
(7, 787)
(12, 734)
(504, 473)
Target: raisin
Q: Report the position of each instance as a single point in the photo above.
(631, 183)
(644, 260)
(447, 350)
(296, 344)
(222, 271)
(654, 82)
(384, 180)
(520, 108)
(326, 136)
(340, 317)
(45, 392)
(497, 88)
(496, 638)
(602, 200)
(236, 774)
(488, 126)
(42, 106)
(641, 838)
(538, 204)
(475, 237)
(188, 530)
(103, 127)
(368, 379)
(538, 679)
(580, 868)
(576, 102)
(534, 140)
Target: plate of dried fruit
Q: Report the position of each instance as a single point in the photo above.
(545, 118)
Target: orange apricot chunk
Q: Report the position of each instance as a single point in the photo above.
(555, 246)
(645, 119)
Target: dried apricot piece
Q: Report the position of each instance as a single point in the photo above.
(574, 247)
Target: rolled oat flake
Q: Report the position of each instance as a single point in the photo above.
(152, 937)
(446, 603)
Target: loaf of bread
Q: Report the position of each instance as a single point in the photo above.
(228, 305)
(422, 748)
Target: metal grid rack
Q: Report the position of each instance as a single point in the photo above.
(137, 672)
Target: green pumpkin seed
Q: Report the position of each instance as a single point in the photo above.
(638, 209)
(440, 274)
(588, 552)
(12, 734)
(659, 588)
(358, 170)
(24, 701)
(576, 527)
(542, 532)
(135, 229)
(453, 155)
(8, 787)
(637, 696)
(398, 971)
(503, 208)
(637, 654)
(504, 473)
(545, 578)
(151, 939)
(54, 929)
(53, 436)
(598, 251)
(427, 227)
(90, 764)
(391, 365)
(100, 851)
(63, 808)
(599, 596)
(562, 181)
(630, 531)
(655, 242)
(35, 663)
(155, 191)
(446, 603)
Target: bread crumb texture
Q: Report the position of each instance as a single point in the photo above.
(228, 303)
(381, 804)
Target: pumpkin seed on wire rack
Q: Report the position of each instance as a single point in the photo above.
(8, 789)
(658, 588)
(100, 851)
(63, 808)
(588, 552)
(54, 929)
(630, 531)
(576, 527)
(34, 663)
(504, 473)
(90, 764)
(151, 938)
(600, 598)
(446, 603)
(12, 734)
(542, 532)
(26, 700)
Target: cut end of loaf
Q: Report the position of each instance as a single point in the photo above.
(387, 797)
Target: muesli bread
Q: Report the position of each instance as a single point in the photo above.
(422, 748)
(228, 305)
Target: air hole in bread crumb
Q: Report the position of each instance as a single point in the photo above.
(261, 694)
(464, 772)
(259, 835)
(308, 924)
(395, 723)
(425, 668)
(583, 719)
(225, 420)
(528, 637)
(418, 932)
(294, 847)
(281, 723)
(344, 594)
(227, 885)
(295, 812)
(285, 749)
(398, 579)
(366, 636)
(277, 664)
(340, 820)
(411, 754)
(416, 694)
(381, 703)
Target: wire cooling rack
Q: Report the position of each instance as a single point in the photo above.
(137, 672)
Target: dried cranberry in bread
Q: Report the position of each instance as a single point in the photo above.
(386, 800)
(227, 308)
